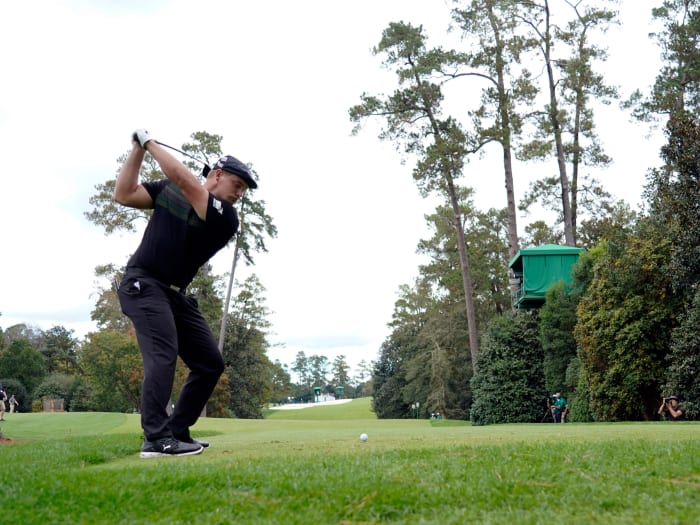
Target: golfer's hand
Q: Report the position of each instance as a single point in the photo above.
(141, 137)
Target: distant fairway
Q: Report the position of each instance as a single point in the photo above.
(343, 409)
(309, 466)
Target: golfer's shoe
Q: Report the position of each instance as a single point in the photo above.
(188, 439)
(169, 446)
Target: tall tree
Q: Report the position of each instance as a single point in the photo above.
(302, 367)
(318, 367)
(675, 201)
(389, 375)
(255, 223)
(340, 371)
(414, 122)
(31, 333)
(677, 86)
(625, 319)
(255, 226)
(281, 383)
(674, 197)
(111, 364)
(495, 58)
(566, 129)
(248, 368)
(60, 351)
(23, 362)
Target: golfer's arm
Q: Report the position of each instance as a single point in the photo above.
(127, 190)
(178, 173)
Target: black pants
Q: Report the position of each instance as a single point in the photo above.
(168, 323)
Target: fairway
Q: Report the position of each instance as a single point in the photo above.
(309, 466)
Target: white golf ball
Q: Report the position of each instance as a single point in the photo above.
(363, 437)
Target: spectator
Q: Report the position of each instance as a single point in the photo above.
(672, 409)
(13, 403)
(560, 408)
(3, 398)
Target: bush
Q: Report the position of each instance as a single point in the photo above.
(682, 377)
(56, 386)
(508, 386)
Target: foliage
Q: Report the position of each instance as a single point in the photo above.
(509, 384)
(23, 362)
(282, 388)
(625, 318)
(107, 312)
(556, 331)
(248, 368)
(580, 401)
(206, 287)
(565, 128)
(219, 403)
(302, 367)
(683, 362)
(675, 202)
(491, 56)
(109, 214)
(389, 379)
(60, 350)
(340, 371)
(111, 366)
(677, 85)
(607, 222)
(414, 122)
(80, 398)
(57, 386)
(31, 333)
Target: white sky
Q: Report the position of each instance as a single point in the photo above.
(276, 80)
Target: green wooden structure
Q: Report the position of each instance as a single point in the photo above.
(538, 268)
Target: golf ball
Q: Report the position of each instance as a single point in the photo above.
(363, 437)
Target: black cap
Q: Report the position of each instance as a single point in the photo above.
(233, 165)
(672, 397)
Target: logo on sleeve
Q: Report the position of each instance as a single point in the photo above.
(218, 206)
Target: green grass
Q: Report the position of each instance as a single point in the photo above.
(309, 467)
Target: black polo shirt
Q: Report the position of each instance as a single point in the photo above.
(176, 241)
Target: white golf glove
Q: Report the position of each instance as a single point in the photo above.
(141, 137)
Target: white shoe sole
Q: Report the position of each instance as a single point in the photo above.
(147, 455)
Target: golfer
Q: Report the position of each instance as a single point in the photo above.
(189, 224)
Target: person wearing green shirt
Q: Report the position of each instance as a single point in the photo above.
(559, 408)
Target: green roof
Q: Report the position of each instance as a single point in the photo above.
(546, 249)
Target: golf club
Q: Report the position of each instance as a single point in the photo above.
(205, 170)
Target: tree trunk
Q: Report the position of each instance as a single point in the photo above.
(466, 275)
(556, 126)
(222, 330)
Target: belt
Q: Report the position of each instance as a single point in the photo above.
(142, 272)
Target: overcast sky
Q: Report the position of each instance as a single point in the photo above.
(275, 79)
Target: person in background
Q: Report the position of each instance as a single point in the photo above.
(3, 398)
(560, 408)
(13, 403)
(672, 409)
